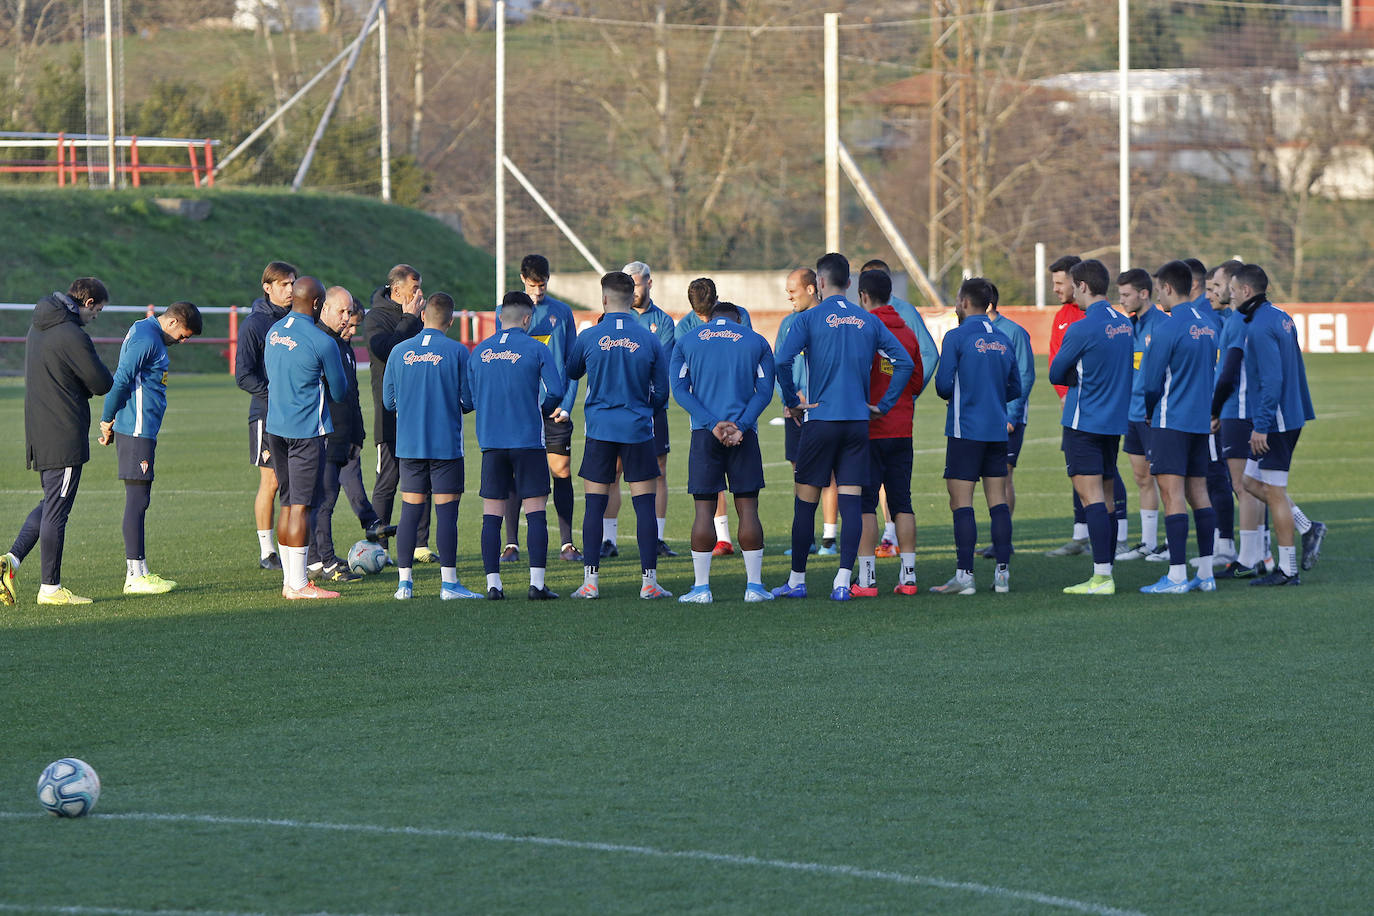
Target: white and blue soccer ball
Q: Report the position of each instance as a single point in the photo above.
(68, 788)
(366, 558)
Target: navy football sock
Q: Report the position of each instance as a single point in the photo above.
(446, 532)
(1100, 532)
(1001, 532)
(593, 528)
(1078, 517)
(1205, 520)
(405, 533)
(513, 519)
(563, 507)
(137, 495)
(491, 543)
(803, 532)
(851, 528)
(646, 530)
(1176, 530)
(965, 537)
(537, 538)
(1120, 510)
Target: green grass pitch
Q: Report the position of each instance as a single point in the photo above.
(996, 753)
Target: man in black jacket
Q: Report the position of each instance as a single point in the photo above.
(343, 447)
(61, 374)
(392, 318)
(251, 375)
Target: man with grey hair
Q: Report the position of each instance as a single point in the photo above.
(661, 325)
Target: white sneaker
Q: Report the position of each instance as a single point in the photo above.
(1001, 580)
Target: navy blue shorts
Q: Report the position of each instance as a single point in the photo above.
(710, 465)
(833, 447)
(791, 438)
(259, 452)
(522, 471)
(637, 460)
(435, 475)
(1280, 454)
(1090, 454)
(661, 446)
(299, 465)
(1015, 439)
(134, 455)
(557, 437)
(889, 465)
(1138, 438)
(1173, 451)
(970, 459)
(1234, 439)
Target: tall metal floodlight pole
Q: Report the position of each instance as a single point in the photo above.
(109, 91)
(500, 149)
(383, 88)
(832, 131)
(1123, 105)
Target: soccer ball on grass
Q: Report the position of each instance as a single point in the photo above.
(68, 788)
(366, 558)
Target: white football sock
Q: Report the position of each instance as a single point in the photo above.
(1224, 547)
(830, 531)
(1080, 531)
(1249, 548)
(1204, 568)
(890, 532)
(701, 566)
(842, 578)
(753, 566)
(131, 569)
(1149, 527)
(796, 578)
(1102, 569)
(1123, 530)
(404, 575)
(723, 528)
(49, 589)
(1178, 573)
(908, 574)
(868, 576)
(537, 576)
(1300, 520)
(662, 526)
(1288, 560)
(612, 529)
(650, 578)
(265, 546)
(296, 575)
(448, 575)
(590, 576)
(493, 580)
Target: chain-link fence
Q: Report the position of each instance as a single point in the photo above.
(689, 134)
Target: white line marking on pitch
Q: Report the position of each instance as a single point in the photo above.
(125, 911)
(841, 871)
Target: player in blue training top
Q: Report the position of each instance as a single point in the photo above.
(661, 325)
(978, 375)
(1135, 289)
(514, 383)
(1018, 409)
(424, 384)
(1176, 381)
(722, 375)
(840, 341)
(1094, 361)
(302, 361)
(627, 385)
(555, 326)
(1281, 405)
(1219, 489)
(702, 297)
(132, 417)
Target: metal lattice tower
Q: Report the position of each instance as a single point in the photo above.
(952, 117)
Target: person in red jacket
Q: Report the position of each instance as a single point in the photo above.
(890, 450)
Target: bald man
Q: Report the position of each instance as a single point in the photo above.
(301, 361)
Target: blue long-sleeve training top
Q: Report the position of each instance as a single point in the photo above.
(302, 362)
(978, 376)
(1094, 361)
(1276, 373)
(930, 352)
(137, 400)
(627, 377)
(722, 371)
(1018, 408)
(555, 326)
(799, 373)
(1145, 324)
(513, 383)
(691, 321)
(424, 382)
(1177, 371)
(1237, 404)
(840, 340)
